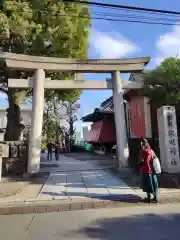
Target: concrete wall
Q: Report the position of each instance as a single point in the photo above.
(25, 114)
(78, 136)
(85, 132)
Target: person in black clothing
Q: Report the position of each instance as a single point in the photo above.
(50, 149)
(57, 150)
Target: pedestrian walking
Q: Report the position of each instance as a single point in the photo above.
(149, 181)
(64, 147)
(50, 146)
(57, 150)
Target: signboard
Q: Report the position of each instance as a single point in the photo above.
(168, 139)
(172, 138)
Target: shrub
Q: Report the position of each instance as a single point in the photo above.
(43, 147)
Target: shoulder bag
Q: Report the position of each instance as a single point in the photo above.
(156, 164)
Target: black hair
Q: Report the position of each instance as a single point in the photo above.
(144, 143)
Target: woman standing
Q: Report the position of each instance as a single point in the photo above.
(148, 176)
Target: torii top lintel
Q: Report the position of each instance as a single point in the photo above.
(29, 63)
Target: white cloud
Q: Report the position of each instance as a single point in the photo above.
(168, 45)
(110, 45)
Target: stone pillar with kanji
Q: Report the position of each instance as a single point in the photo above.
(168, 139)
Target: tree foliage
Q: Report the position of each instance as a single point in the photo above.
(43, 28)
(71, 109)
(162, 84)
(59, 119)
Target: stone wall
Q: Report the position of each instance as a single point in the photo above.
(15, 158)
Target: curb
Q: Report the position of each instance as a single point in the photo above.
(35, 208)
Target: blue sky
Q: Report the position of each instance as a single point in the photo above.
(120, 39)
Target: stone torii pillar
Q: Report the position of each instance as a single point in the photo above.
(37, 119)
(36, 63)
(119, 114)
(36, 123)
(40, 82)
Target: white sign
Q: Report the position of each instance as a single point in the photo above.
(173, 148)
(168, 139)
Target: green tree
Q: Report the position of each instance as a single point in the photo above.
(71, 110)
(56, 114)
(162, 84)
(43, 28)
(52, 118)
(49, 131)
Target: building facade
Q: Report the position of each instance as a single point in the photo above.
(85, 132)
(138, 115)
(25, 119)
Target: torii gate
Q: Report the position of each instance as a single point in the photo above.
(41, 64)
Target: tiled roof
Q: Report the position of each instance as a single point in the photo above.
(108, 105)
(106, 101)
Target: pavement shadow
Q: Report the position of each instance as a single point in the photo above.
(124, 198)
(53, 194)
(146, 226)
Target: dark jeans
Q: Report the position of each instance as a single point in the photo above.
(57, 155)
(50, 155)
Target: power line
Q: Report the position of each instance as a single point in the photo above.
(139, 12)
(114, 17)
(122, 7)
(134, 11)
(135, 16)
(122, 20)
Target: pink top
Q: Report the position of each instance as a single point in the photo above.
(146, 157)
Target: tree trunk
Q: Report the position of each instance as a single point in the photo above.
(14, 127)
(57, 134)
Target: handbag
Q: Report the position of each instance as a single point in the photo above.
(156, 164)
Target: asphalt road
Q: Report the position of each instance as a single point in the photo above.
(160, 222)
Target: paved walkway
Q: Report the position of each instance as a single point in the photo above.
(78, 184)
(66, 179)
(80, 179)
(74, 178)
(86, 176)
(76, 162)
